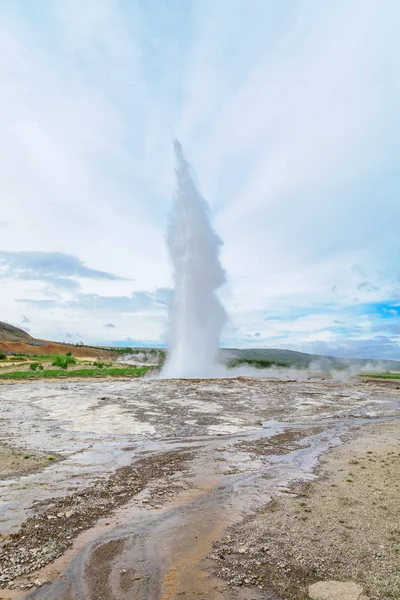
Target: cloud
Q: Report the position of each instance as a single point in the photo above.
(139, 301)
(380, 347)
(109, 326)
(293, 133)
(367, 286)
(138, 343)
(48, 266)
(357, 269)
(37, 303)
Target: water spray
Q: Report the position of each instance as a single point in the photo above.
(197, 316)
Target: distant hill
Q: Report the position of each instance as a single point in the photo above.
(15, 340)
(10, 333)
(291, 358)
(269, 357)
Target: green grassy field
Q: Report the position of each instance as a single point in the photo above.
(382, 375)
(63, 373)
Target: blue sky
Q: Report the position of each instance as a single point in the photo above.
(289, 114)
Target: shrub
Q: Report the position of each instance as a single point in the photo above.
(63, 361)
(69, 353)
(2, 355)
(34, 366)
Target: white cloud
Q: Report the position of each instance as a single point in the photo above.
(288, 112)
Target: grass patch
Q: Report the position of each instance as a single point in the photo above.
(34, 366)
(101, 365)
(382, 375)
(56, 373)
(64, 361)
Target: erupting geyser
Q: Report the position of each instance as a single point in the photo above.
(197, 316)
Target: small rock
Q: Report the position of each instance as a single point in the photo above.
(60, 515)
(51, 517)
(69, 514)
(336, 590)
(38, 583)
(242, 550)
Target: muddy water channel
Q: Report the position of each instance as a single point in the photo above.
(142, 478)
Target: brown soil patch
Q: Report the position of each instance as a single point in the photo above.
(45, 347)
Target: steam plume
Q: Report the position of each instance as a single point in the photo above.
(197, 316)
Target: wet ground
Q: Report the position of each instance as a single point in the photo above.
(150, 475)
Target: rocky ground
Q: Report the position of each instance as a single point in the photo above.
(152, 477)
(57, 521)
(345, 526)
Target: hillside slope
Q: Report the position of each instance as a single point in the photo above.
(291, 358)
(10, 333)
(14, 340)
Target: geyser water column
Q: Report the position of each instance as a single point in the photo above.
(197, 316)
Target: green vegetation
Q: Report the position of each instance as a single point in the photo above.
(3, 355)
(63, 361)
(382, 375)
(129, 350)
(100, 364)
(34, 366)
(256, 363)
(56, 373)
(40, 357)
